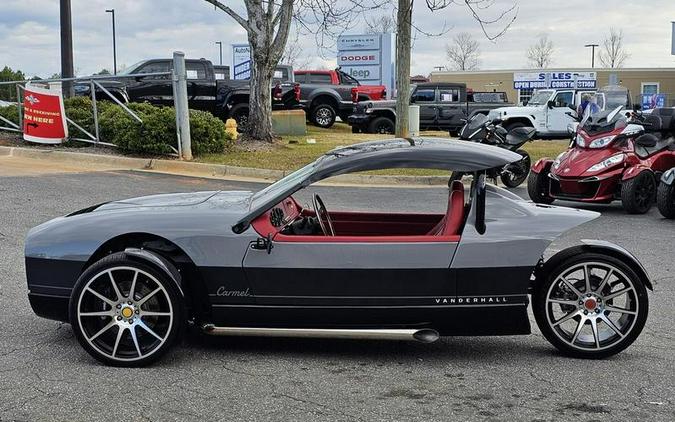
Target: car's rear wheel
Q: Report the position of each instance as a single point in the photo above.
(125, 313)
(666, 200)
(382, 125)
(323, 115)
(538, 187)
(638, 193)
(590, 305)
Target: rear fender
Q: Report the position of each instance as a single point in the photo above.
(543, 164)
(604, 247)
(668, 177)
(634, 170)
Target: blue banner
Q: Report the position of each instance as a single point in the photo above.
(650, 101)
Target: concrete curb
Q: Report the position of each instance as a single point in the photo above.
(110, 162)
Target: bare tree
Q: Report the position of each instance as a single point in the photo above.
(294, 54)
(384, 24)
(613, 53)
(464, 52)
(404, 25)
(267, 24)
(540, 54)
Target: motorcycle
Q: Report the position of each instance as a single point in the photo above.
(481, 129)
(613, 156)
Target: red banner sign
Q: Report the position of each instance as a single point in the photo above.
(44, 118)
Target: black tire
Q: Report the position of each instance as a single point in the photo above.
(510, 126)
(549, 284)
(666, 200)
(638, 194)
(538, 187)
(382, 125)
(517, 172)
(323, 115)
(240, 114)
(142, 326)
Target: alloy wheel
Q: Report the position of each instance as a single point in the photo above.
(125, 313)
(323, 116)
(592, 306)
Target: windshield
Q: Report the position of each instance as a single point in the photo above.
(615, 96)
(130, 69)
(273, 191)
(540, 97)
(477, 121)
(603, 121)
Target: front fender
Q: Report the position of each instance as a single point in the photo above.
(634, 170)
(158, 262)
(668, 178)
(602, 246)
(543, 164)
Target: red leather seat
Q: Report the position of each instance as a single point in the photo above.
(451, 222)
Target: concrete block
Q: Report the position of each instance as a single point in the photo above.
(289, 122)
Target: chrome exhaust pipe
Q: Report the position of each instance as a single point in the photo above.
(423, 335)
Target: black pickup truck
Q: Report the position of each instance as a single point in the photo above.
(223, 97)
(444, 106)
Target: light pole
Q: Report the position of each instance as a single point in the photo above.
(66, 47)
(592, 53)
(112, 12)
(220, 44)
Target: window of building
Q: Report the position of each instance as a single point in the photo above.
(524, 95)
(650, 87)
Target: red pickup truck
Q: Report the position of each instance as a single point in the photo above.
(326, 94)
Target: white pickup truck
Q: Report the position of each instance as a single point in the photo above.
(548, 111)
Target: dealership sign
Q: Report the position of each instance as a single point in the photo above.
(241, 61)
(556, 79)
(44, 118)
(368, 58)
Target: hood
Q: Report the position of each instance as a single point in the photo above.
(577, 161)
(505, 112)
(237, 201)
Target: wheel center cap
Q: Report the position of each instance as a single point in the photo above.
(127, 312)
(590, 304)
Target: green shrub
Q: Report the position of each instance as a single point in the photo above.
(156, 135)
(10, 113)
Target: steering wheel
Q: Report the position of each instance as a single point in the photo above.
(320, 209)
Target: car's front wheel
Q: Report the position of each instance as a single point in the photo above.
(638, 193)
(382, 125)
(666, 200)
(589, 305)
(125, 313)
(323, 115)
(538, 187)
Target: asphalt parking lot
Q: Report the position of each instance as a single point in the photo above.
(46, 375)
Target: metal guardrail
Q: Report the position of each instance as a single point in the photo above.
(179, 84)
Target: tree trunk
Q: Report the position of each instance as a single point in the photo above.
(403, 42)
(260, 100)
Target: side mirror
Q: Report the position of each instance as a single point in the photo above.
(572, 127)
(647, 140)
(524, 103)
(550, 104)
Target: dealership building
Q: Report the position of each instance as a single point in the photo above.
(655, 85)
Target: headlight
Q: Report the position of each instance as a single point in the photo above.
(601, 142)
(368, 110)
(580, 141)
(556, 162)
(611, 161)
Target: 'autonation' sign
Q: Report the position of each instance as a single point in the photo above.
(554, 79)
(368, 58)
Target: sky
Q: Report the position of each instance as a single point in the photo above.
(29, 33)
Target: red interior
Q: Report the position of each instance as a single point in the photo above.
(375, 227)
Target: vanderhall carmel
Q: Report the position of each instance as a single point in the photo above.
(130, 275)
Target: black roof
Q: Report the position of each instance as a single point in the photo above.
(431, 153)
(439, 84)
